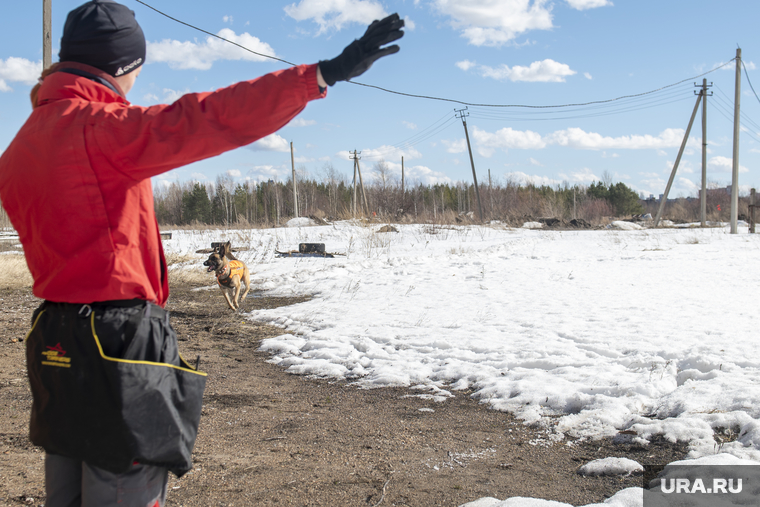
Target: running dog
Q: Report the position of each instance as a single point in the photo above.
(230, 272)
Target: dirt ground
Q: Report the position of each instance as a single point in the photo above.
(271, 438)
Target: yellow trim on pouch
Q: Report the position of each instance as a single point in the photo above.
(117, 360)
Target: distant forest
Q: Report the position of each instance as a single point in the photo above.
(226, 203)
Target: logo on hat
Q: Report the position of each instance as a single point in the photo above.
(127, 68)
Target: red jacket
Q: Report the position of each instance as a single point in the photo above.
(75, 181)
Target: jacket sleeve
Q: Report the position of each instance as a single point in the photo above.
(144, 142)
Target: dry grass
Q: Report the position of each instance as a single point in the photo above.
(14, 273)
(183, 269)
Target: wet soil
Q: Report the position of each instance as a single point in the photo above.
(271, 438)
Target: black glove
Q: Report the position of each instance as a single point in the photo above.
(362, 53)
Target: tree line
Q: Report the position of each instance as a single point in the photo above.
(226, 202)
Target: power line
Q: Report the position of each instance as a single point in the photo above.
(430, 97)
(214, 35)
(750, 82)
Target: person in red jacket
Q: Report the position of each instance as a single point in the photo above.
(114, 404)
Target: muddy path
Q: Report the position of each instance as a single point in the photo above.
(271, 438)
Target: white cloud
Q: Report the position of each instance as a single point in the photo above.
(533, 161)
(588, 4)
(578, 138)
(523, 179)
(227, 19)
(171, 96)
(335, 14)
(198, 176)
(585, 176)
(465, 65)
(388, 153)
(409, 125)
(724, 164)
(587, 76)
(495, 22)
(234, 173)
(545, 71)
(506, 138)
(409, 24)
(687, 185)
(19, 70)
(457, 146)
(263, 173)
(202, 55)
(425, 175)
(272, 142)
(300, 122)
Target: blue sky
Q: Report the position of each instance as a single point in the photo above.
(527, 52)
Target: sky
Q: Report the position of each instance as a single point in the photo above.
(583, 333)
(491, 52)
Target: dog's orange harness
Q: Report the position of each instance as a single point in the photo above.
(230, 269)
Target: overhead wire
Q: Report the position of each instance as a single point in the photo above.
(726, 109)
(729, 103)
(414, 140)
(750, 82)
(430, 97)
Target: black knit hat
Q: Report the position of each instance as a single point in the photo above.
(104, 34)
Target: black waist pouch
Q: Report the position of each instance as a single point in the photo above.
(110, 388)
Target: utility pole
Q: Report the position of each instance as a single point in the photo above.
(353, 197)
(358, 169)
(735, 168)
(703, 202)
(402, 177)
(462, 115)
(295, 188)
(678, 160)
(361, 184)
(490, 191)
(47, 36)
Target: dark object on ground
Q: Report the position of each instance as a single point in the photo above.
(318, 220)
(550, 222)
(387, 228)
(580, 223)
(311, 248)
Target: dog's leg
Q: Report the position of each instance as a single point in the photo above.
(236, 293)
(247, 282)
(227, 297)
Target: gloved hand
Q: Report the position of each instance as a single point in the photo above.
(362, 53)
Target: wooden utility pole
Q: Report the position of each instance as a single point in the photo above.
(47, 36)
(353, 200)
(678, 160)
(703, 203)
(361, 184)
(462, 115)
(752, 211)
(402, 177)
(735, 167)
(490, 191)
(358, 169)
(295, 187)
